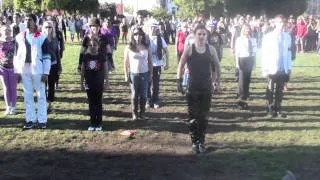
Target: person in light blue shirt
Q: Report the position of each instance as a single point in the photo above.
(276, 64)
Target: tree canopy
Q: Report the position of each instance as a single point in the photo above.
(268, 7)
(84, 6)
(190, 8)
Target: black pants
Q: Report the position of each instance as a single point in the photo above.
(94, 92)
(65, 34)
(198, 108)
(275, 83)
(153, 96)
(52, 79)
(245, 69)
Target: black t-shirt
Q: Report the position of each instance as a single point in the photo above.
(200, 68)
(93, 63)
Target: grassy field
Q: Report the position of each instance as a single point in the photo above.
(242, 145)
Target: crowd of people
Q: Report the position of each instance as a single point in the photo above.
(32, 48)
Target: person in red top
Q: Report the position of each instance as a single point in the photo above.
(301, 33)
(180, 40)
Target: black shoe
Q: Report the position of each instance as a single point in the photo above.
(141, 116)
(195, 149)
(28, 125)
(243, 105)
(42, 125)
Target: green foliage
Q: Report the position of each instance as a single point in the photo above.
(107, 10)
(129, 9)
(83, 6)
(27, 5)
(159, 13)
(7, 3)
(190, 8)
(269, 7)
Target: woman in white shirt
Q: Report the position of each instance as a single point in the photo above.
(138, 71)
(245, 51)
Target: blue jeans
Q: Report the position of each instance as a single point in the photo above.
(153, 96)
(139, 86)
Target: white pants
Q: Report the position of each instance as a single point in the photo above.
(32, 83)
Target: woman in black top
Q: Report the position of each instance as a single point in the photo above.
(93, 68)
(202, 62)
(53, 43)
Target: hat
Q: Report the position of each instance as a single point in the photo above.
(94, 22)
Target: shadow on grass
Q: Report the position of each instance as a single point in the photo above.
(263, 163)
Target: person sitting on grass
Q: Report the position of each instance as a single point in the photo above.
(92, 68)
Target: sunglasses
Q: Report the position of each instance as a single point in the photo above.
(136, 34)
(48, 27)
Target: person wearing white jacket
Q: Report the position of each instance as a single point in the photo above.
(276, 64)
(32, 64)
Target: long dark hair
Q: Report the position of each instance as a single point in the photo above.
(133, 43)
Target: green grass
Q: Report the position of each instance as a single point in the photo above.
(242, 145)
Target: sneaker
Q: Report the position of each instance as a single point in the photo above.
(91, 128)
(7, 112)
(98, 128)
(202, 148)
(195, 149)
(12, 111)
(156, 106)
(42, 125)
(147, 105)
(134, 117)
(28, 125)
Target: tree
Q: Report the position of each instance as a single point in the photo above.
(7, 4)
(269, 7)
(129, 9)
(107, 10)
(27, 5)
(190, 8)
(83, 6)
(160, 13)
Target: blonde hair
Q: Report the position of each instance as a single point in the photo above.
(49, 23)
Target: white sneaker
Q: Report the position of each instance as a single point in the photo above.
(12, 111)
(156, 106)
(91, 128)
(7, 111)
(98, 128)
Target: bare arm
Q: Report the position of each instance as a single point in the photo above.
(150, 63)
(216, 75)
(182, 62)
(166, 52)
(126, 64)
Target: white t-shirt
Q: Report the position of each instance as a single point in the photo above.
(153, 46)
(138, 61)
